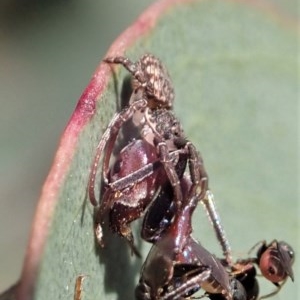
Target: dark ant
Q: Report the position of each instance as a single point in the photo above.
(130, 188)
(274, 261)
(177, 266)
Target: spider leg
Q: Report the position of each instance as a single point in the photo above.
(124, 61)
(192, 283)
(107, 141)
(113, 129)
(197, 170)
(211, 210)
(199, 175)
(140, 174)
(166, 160)
(133, 68)
(135, 177)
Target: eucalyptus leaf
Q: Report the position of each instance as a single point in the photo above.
(234, 68)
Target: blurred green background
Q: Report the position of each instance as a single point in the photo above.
(49, 50)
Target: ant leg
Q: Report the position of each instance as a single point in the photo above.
(108, 138)
(279, 286)
(165, 159)
(198, 174)
(189, 284)
(135, 177)
(210, 207)
(262, 245)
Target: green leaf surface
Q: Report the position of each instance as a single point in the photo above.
(234, 68)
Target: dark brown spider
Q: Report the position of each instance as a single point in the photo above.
(150, 110)
(149, 107)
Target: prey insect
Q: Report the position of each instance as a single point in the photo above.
(274, 260)
(177, 266)
(181, 277)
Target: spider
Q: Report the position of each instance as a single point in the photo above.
(161, 144)
(149, 107)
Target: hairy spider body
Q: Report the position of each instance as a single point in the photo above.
(151, 77)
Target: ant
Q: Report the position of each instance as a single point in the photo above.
(125, 202)
(177, 266)
(158, 157)
(274, 261)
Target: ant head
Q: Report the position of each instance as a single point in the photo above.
(276, 262)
